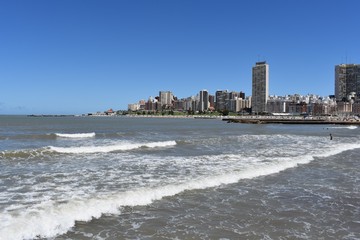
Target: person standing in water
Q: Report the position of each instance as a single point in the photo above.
(330, 136)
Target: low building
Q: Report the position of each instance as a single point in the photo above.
(179, 105)
(133, 107)
(356, 108)
(298, 108)
(278, 105)
(344, 108)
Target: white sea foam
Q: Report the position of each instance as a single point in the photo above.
(75, 135)
(51, 218)
(336, 149)
(111, 148)
(346, 127)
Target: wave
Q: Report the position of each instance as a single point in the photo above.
(45, 151)
(24, 153)
(52, 218)
(338, 149)
(75, 135)
(111, 148)
(48, 136)
(29, 136)
(347, 127)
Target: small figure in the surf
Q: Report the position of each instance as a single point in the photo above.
(330, 136)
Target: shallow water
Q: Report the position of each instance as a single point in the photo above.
(149, 178)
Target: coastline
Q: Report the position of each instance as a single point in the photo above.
(263, 119)
(238, 119)
(292, 120)
(176, 116)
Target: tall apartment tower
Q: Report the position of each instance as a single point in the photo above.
(260, 87)
(221, 97)
(347, 80)
(166, 98)
(204, 100)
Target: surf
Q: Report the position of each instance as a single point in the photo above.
(111, 148)
(25, 153)
(51, 218)
(75, 135)
(346, 127)
(53, 150)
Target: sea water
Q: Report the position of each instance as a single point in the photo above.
(157, 178)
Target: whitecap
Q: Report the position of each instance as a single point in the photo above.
(111, 148)
(76, 135)
(352, 127)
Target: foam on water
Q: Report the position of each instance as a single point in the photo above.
(24, 153)
(346, 127)
(50, 218)
(76, 135)
(110, 148)
(336, 149)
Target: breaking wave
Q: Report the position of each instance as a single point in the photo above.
(111, 148)
(46, 151)
(52, 218)
(49, 136)
(75, 135)
(24, 153)
(346, 127)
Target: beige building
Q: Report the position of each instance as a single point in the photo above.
(344, 107)
(278, 105)
(133, 107)
(242, 104)
(166, 99)
(356, 108)
(260, 87)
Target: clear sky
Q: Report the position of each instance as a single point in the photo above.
(80, 56)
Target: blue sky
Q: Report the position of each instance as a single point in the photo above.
(73, 56)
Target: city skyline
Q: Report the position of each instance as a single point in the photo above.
(345, 101)
(86, 56)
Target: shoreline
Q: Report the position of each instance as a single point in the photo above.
(263, 120)
(235, 119)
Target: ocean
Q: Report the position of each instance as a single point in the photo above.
(176, 178)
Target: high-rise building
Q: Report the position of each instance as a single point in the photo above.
(212, 102)
(242, 95)
(221, 98)
(204, 101)
(260, 87)
(166, 98)
(151, 104)
(347, 80)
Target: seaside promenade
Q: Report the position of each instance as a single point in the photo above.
(252, 119)
(293, 120)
